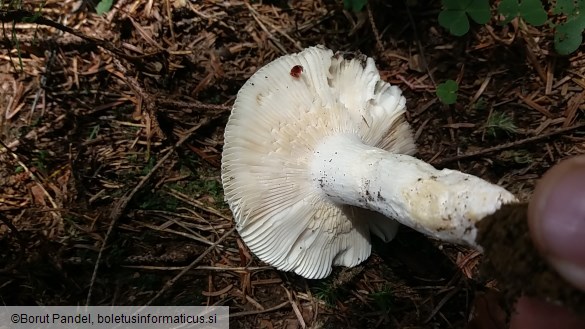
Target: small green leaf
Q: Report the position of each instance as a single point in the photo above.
(564, 7)
(355, 5)
(509, 9)
(104, 6)
(455, 21)
(479, 11)
(569, 35)
(447, 92)
(532, 12)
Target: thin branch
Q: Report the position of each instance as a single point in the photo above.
(194, 105)
(25, 16)
(509, 145)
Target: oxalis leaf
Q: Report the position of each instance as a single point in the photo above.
(569, 35)
(565, 7)
(479, 11)
(104, 6)
(531, 11)
(454, 16)
(508, 9)
(455, 21)
(447, 92)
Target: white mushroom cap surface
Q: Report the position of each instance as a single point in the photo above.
(317, 156)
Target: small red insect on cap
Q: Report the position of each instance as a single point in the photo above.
(296, 71)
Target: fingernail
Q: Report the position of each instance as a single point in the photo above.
(559, 220)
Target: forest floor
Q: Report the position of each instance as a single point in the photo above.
(112, 135)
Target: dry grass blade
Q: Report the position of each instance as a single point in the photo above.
(271, 36)
(183, 234)
(196, 203)
(295, 308)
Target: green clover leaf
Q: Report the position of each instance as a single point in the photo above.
(447, 92)
(455, 14)
(531, 11)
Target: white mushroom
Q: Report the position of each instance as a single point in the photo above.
(317, 155)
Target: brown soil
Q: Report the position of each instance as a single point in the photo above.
(112, 135)
(511, 258)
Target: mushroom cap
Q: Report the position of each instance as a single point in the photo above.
(280, 115)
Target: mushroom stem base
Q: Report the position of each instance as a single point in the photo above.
(444, 204)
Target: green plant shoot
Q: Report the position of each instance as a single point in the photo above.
(500, 122)
(104, 6)
(447, 92)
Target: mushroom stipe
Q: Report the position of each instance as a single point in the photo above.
(318, 156)
(511, 258)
